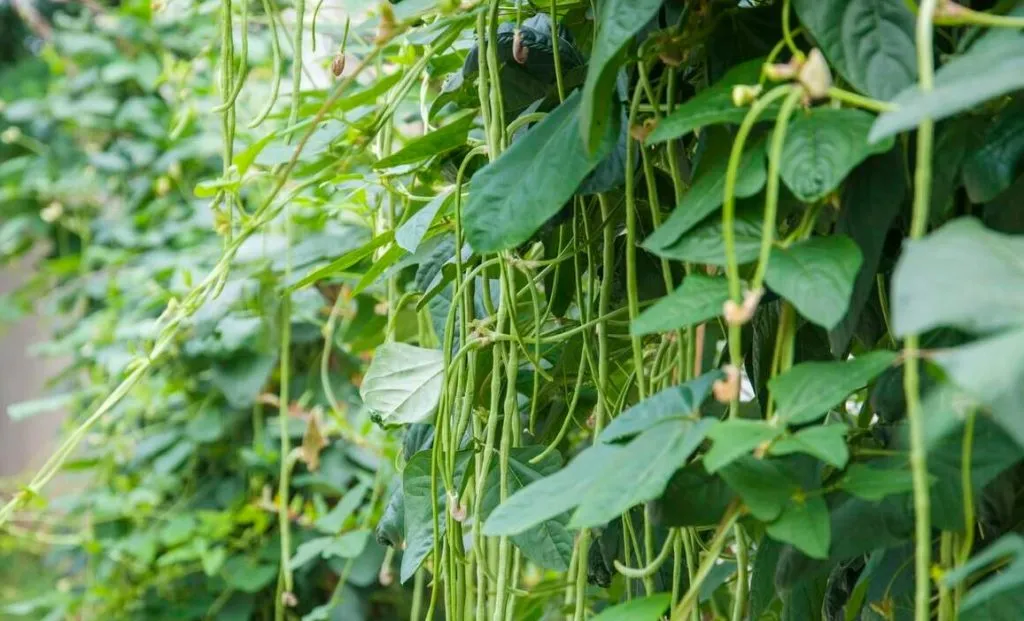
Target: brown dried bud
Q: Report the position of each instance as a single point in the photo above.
(728, 389)
(641, 131)
(744, 95)
(457, 509)
(519, 51)
(386, 29)
(815, 76)
(338, 65)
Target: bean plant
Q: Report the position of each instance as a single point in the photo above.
(615, 310)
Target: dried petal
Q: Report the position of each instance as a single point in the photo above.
(519, 51)
(728, 389)
(815, 76)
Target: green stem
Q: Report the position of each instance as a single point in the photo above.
(911, 350)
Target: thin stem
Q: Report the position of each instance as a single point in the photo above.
(911, 348)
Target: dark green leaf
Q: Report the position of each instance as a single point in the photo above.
(548, 544)
(826, 442)
(808, 390)
(552, 495)
(411, 232)
(993, 66)
(822, 146)
(1002, 595)
(706, 194)
(875, 484)
(987, 267)
(805, 524)
(817, 276)
(870, 201)
(693, 498)
(419, 513)
(735, 438)
(343, 262)
(764, 487)
(712, 105)
(503, 211)
(697, 300)
(992, 167)
(673, 402)
(248, 574)
(441, 140)
(703, 243)
(641, 470)
(870, 43)
(617, 22)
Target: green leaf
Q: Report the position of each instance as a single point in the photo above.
(28, 409)
(703, 243)
(641, 470)
(871, 198)
(735, 438)
(816, 276)
(870, 43)
(241, 378)
(419, 513)
(552, 495)
(712, 105)
(805, 524)
(992, 371)
(377, 269)
(992, 67)
(1001, 596)
(403, 383)
(334, 520)
(762, 578)
(822, 146)
(649, 608)
(697, 300)
(707, 193)
(826, 442)
(764, 487)
(693, 498)
(874, 484)
(991, 168)
(986, 267)
(548, 544)
(411, 232)
(441, 140)
(343, 262)
(504, 211)
(248, 574)
(617, 22)
(673, 402)
(808, 390)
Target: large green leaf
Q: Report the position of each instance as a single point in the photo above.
(693, 498)
(991, 168)
(735, 438)
(712, 105)
(871, 198)
(826, 442)
(764, 487)
(641, 470)
(808, 390)
(551, 496)
(673, 402)
(419, 513)
(706, 193)
(993, 66)
(870, 42)
(817, 275)
(991, 370)
(822, 146)
(548, 544)
(962, 275)
(522, 189)
(403, 383)
(411, 232)
(805, 524)
(697, 300)
(648, 608)
(703, 243)
(617, 22)
(875, 484)
(441, 140)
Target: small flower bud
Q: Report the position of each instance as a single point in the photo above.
(744, 95)
(641, 131)
(456, 508)
(783, 71)
(728, 389)
(52, 212)
(519, 51)
(288, 599)
(338, 65)
(386, 576)
(815, 76)
(948, 8)
(163, 186)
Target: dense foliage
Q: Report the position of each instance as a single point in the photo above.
(631, 309)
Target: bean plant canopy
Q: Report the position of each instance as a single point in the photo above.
(519, 310)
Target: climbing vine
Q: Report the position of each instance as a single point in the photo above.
(630, 309)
